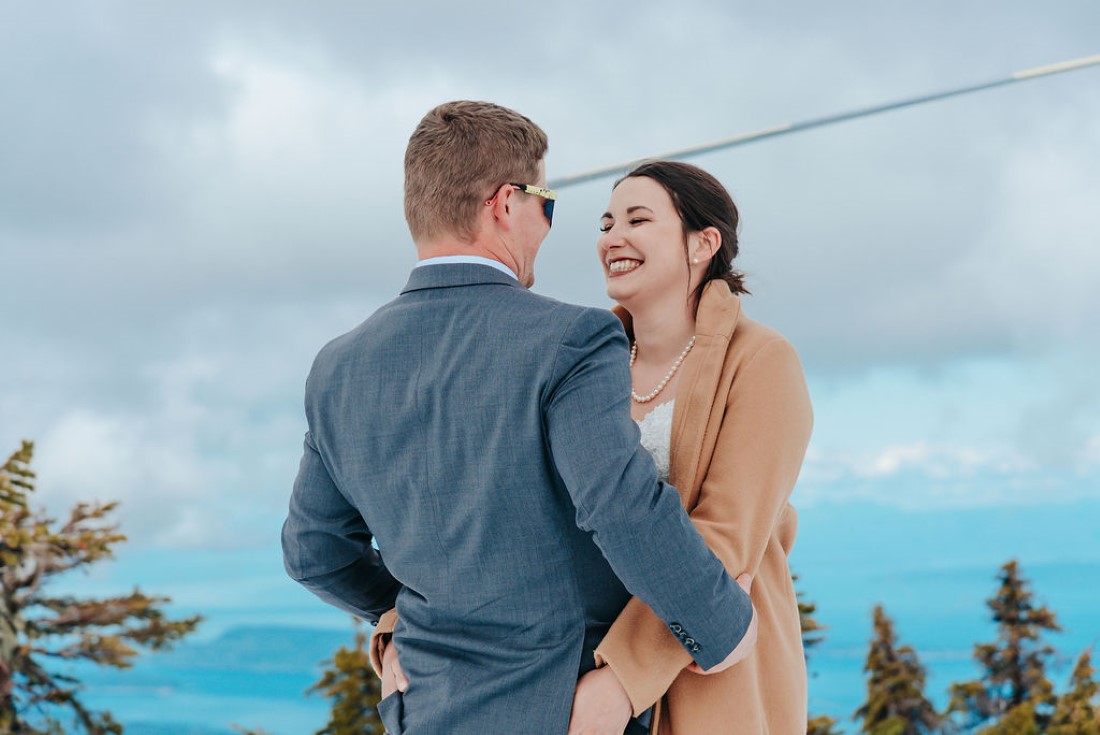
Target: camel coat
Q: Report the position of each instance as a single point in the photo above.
(740, 428)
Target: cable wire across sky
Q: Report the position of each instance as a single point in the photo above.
(786, 128)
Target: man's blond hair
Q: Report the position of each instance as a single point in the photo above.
(458, 156)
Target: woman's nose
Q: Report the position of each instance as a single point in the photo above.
(611, 240)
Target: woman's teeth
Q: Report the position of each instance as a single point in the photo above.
(623, 266)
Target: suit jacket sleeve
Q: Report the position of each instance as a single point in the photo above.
(637, 521)
(757, 457)
(327, 545)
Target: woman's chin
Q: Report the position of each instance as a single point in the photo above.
(624, 297)
(617, 292)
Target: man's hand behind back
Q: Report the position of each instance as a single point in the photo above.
(393, 678)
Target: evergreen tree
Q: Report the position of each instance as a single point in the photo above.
(821, 725)
(39, 631)
(811, 629)
(350, 682)
(1014, 665)
(1019, 720)
(1076, 712)
(895, 704)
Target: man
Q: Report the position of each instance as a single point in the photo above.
(481, 436)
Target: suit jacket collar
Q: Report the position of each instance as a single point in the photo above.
(450, 275)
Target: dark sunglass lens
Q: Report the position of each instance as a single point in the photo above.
(548, 210)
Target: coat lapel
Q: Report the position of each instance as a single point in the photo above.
(700, 378)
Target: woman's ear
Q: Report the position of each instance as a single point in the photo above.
(707, 242)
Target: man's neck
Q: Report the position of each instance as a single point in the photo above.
(477, 248)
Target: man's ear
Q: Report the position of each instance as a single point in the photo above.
(500, 206)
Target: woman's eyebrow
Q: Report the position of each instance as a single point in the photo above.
(629, 210)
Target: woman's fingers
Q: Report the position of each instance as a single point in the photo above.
(745, 647)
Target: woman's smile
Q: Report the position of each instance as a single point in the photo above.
(622, 266)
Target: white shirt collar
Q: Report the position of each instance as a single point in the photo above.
(468, 259)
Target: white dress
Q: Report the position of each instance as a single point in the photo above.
(656, 428)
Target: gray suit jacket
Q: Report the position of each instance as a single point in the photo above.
(481, 435)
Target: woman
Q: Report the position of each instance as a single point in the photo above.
(722, 404)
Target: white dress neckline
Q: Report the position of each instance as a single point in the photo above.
(656, 430)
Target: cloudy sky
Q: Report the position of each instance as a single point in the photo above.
(194, 197)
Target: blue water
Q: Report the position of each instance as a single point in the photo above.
(932, 571)
(253, 677)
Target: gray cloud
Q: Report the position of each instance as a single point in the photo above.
(194, 197)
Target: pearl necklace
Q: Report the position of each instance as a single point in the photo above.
(664, 381)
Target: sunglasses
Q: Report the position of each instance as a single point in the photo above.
(549, 195)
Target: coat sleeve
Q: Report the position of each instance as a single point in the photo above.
(757, 457)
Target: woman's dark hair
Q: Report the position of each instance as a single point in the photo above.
(702, 202)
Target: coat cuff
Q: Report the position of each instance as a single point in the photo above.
(644, 655)
(380, 638)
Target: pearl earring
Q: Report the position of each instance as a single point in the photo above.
(694, 260)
